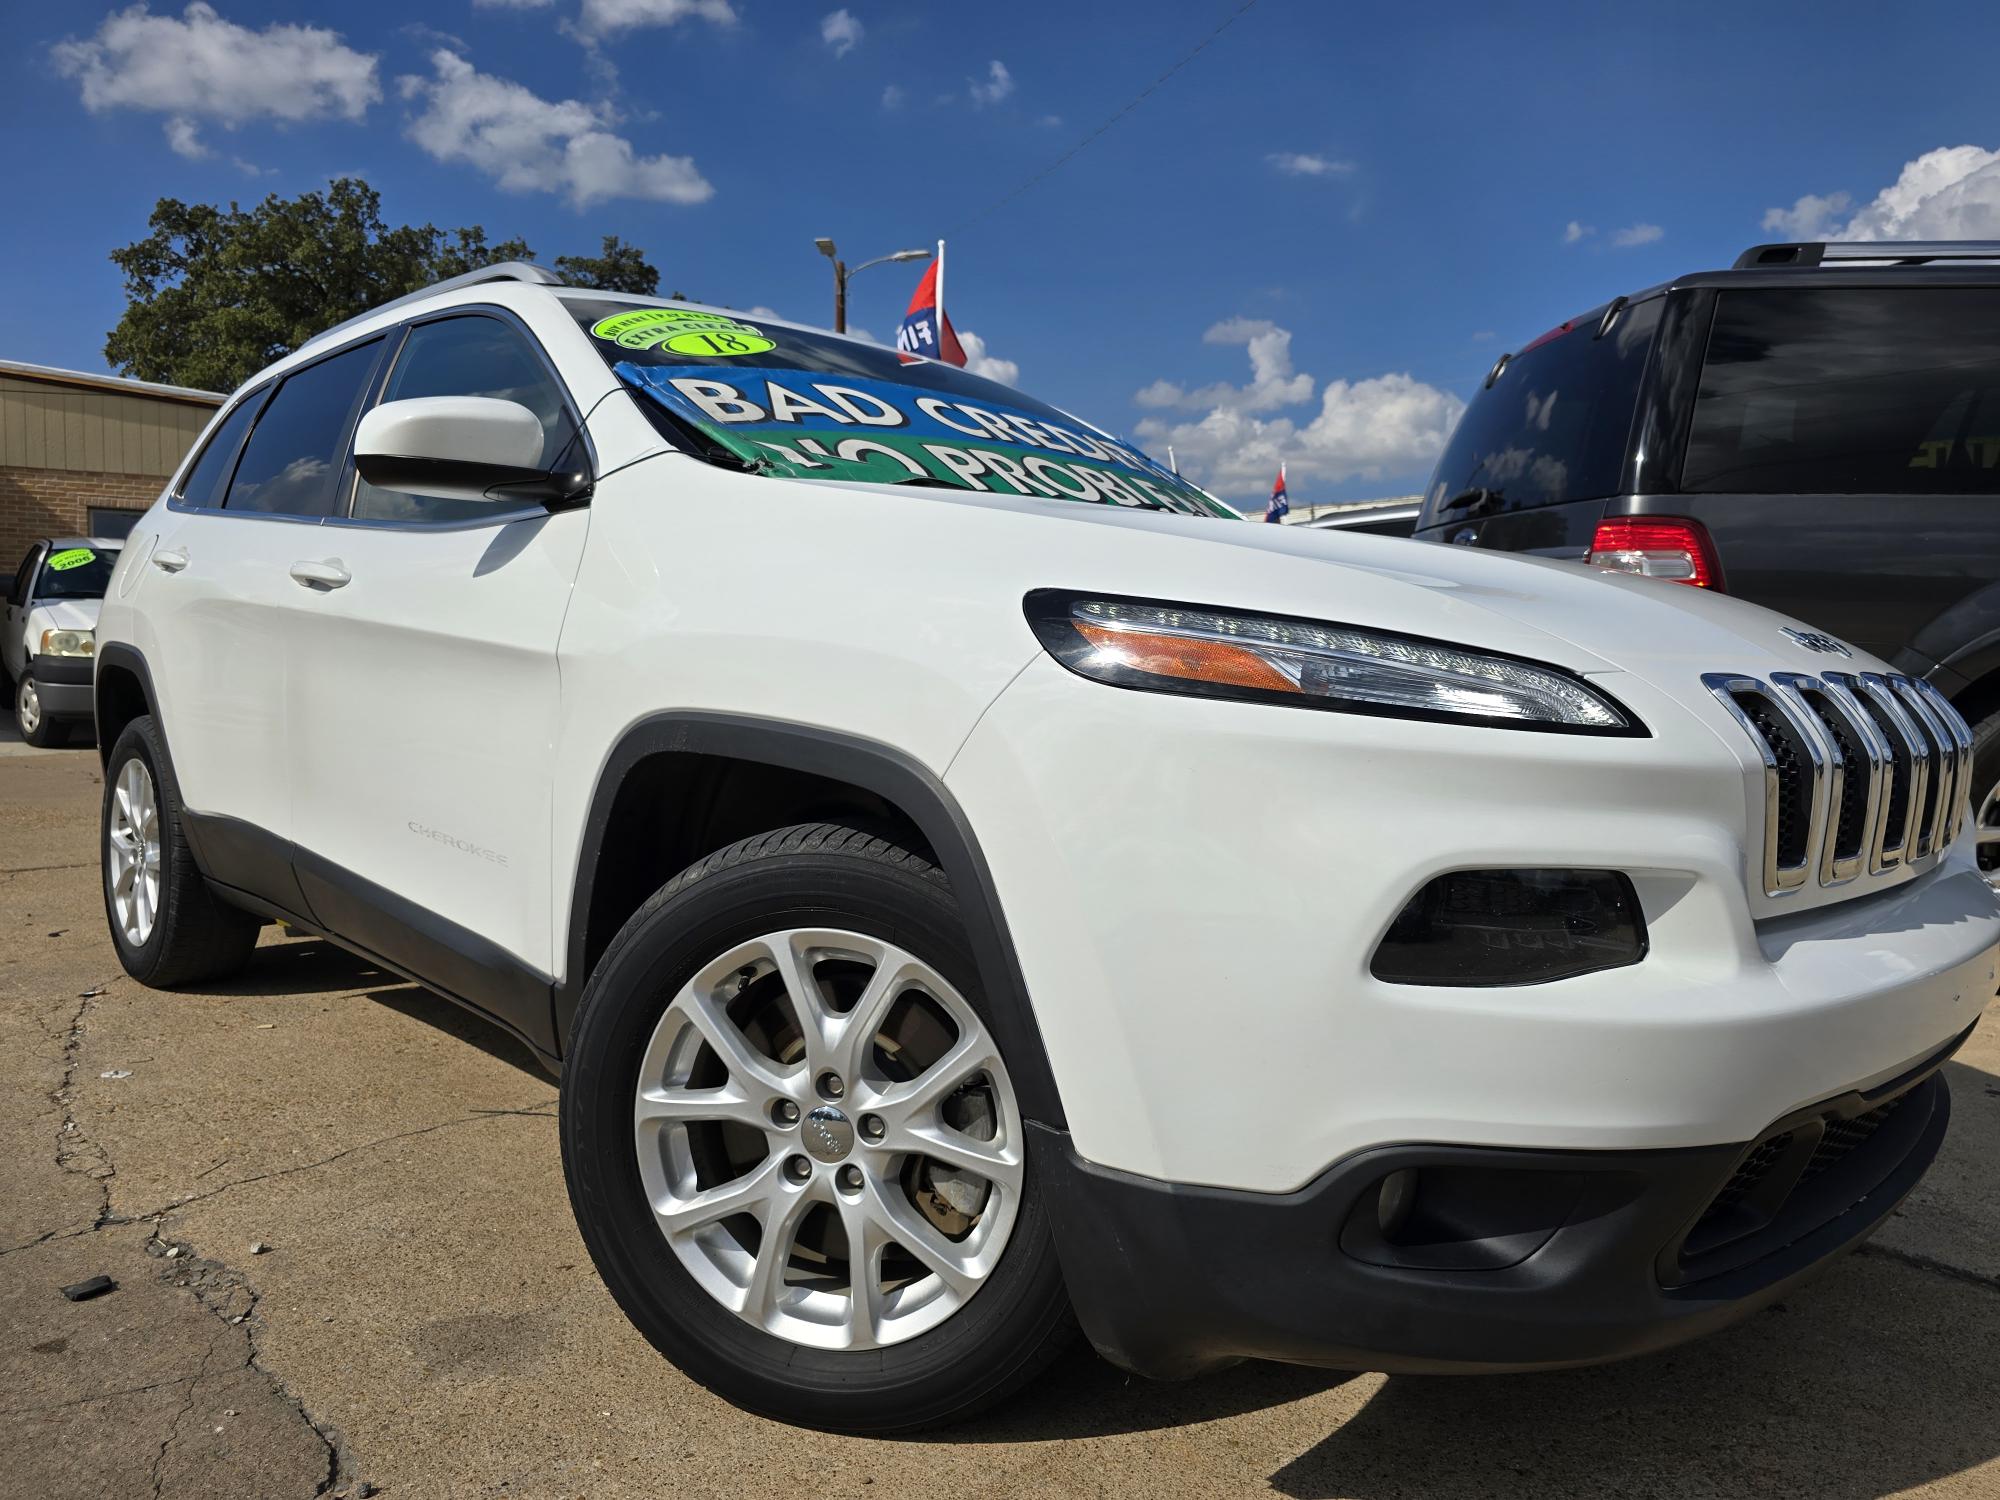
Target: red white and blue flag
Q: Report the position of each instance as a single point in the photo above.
(926, 330)
(1280, 504)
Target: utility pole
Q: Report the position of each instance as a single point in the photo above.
(841, 273)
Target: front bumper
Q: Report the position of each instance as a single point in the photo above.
(1505, 1259)
(64, 683)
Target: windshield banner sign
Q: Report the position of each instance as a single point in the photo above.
(804, 425)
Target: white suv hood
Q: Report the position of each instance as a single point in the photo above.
(61, 614)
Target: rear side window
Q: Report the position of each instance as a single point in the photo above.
(209, 477)
(1553, 426)
(293, 461)
(1849, 391)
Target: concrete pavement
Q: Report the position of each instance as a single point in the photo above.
(423, 1319)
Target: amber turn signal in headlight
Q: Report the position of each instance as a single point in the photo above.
(1186, 648)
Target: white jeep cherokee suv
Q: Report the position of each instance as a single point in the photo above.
(972, 885)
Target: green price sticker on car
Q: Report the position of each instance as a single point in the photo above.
(70, 557)
(702, 335)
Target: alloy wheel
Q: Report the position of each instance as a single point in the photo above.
(28, 706)
(828, 1139)
(132, 848)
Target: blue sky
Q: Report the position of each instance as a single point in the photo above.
(1309, 243)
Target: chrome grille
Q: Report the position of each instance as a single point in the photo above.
(1863, 772)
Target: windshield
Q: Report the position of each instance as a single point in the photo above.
(803, 405)
(76, 573)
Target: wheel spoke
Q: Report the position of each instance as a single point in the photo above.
(803, 996)
(998, 1161)
(909, 1229)
(966, 1058)
(864, 1022)
(678, 1106)
(748, 1194)
(865, 1245)
(744, 1062)
(780, 1232)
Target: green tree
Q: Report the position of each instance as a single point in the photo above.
(621, 268)
(214, 295)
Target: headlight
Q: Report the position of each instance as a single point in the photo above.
(68, 643)
(1175, 648)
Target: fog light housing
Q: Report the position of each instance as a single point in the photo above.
(1501, 927)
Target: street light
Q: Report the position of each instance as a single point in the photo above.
(841, 273)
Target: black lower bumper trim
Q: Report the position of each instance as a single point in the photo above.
(1532, 1260)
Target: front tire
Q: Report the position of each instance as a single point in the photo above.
(36, 727)
(168, 927)
(785, 1053)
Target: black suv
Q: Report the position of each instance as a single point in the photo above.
(1816, 429)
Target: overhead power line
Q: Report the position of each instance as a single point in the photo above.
(1140, 98)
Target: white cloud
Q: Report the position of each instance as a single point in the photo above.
(185, 138)
(1304, 164)
(841, 31)
(1952, 193)
(999, 84)
(1049, 122)
(1811, 218)
(602, 18)
(200, 67)
(1272, 381)
(979, 362)
(893, 96)
(1573, 231)
(1637, 234)
(1389, 425)
(530, 144)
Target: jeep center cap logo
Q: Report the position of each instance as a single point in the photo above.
(828, 1134)
(1814, 640)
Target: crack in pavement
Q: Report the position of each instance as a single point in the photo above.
(1932, 1264)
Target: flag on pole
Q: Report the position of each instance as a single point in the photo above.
(926, 330)
(1280, 504)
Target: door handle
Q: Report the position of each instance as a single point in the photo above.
(321, 575)
(170, 559)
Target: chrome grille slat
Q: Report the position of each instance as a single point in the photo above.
(1873, 767)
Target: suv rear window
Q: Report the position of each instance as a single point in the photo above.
(1553, 426)
(1849, 391)
(797, 404)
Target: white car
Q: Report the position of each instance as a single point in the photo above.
(46, 643)
(967, 884)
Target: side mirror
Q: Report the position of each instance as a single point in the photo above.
(462, 448)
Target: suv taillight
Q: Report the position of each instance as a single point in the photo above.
(1669, 547)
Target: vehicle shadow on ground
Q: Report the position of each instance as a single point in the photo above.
(1868, 1383)
(307, 966)
(1876, 1379)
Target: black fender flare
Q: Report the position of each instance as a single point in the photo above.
(130, 659)
(874, 767)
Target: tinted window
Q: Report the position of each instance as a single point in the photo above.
(471, 356)
(1849, 392)
(1553, 426)
(293, 461)
(209, 478)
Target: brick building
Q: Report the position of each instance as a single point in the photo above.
(82, 455)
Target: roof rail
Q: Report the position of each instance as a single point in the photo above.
(1896, 252)
(506, 270)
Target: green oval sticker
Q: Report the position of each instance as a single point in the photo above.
(649, 327)
(70, 557)
(721, 343)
